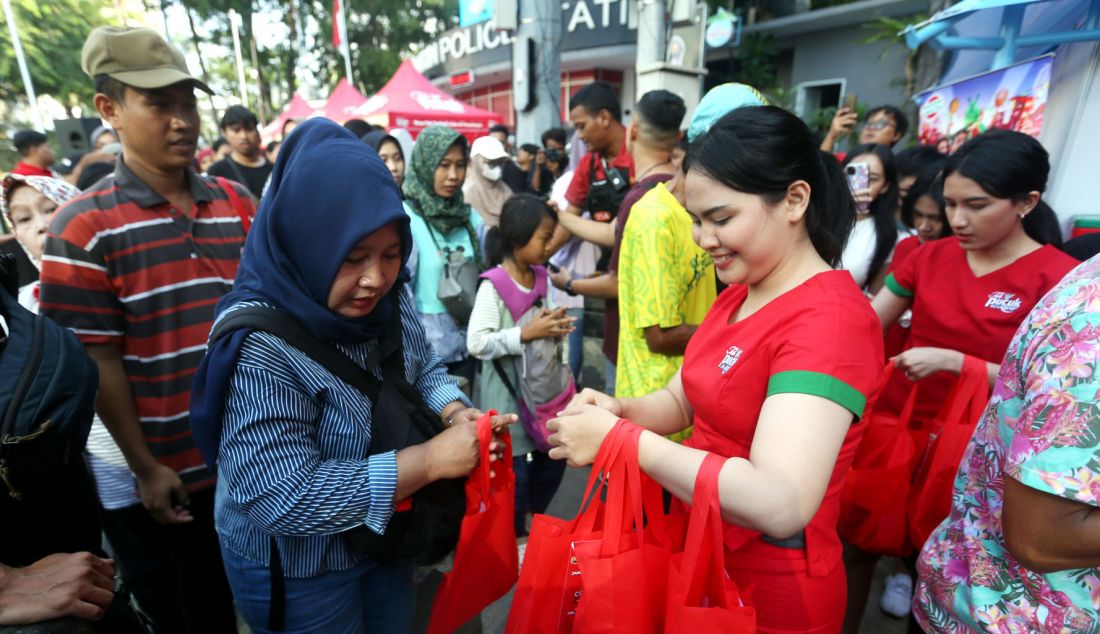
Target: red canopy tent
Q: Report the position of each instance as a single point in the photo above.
(342, 103)
(298, 108)
(410, 101)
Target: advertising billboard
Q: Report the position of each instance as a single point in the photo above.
(1012, 98)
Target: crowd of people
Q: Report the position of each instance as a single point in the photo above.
(764, 300)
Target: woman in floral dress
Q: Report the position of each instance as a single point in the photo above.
(1021, 549)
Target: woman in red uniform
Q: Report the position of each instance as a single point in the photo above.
(968, 294)
(922, 209)
(775, 378)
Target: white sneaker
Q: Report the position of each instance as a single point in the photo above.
(898, 595)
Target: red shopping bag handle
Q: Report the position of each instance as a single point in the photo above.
(586, 519)
(479, 487)
(704, 549)
(906, 414)
(624, 492)
(972, 383)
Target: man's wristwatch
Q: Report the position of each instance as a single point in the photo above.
(569, 288)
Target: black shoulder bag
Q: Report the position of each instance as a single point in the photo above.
(424, 533)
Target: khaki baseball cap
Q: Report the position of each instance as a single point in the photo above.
(135, 56)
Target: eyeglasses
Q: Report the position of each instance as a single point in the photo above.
(878, 124)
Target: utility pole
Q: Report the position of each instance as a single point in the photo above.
(234, 24)
(653, 70)
(345, 46)
(652, 39)
(28, 85)
(536, 69)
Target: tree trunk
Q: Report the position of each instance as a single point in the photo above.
(198, 53)
(290, 61)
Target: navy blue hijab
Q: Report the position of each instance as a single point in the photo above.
(328, 192)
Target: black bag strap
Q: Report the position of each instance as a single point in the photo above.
(389, 355)
(507, 382)
(288, 329)
(276, 613)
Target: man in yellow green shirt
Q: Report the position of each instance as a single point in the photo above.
(666, 287)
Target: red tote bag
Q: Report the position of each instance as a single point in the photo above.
(549, 587)
(486, 563)
(875, 499)
(624, 574)
(701, 596)
(930, 497)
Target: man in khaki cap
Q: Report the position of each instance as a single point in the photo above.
(135, 267)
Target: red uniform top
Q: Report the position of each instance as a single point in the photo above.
(820, 338)
(898, 334)
(577, 194)
(902, 250)
(26, 169)
(955, 309)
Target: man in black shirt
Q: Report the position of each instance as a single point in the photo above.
(245, 164)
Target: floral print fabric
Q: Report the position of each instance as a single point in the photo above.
(1042, 427)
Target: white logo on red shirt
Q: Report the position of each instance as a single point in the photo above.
(1004, 302)
(732, 355)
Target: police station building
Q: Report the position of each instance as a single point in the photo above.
(819, 45)
(474, 62)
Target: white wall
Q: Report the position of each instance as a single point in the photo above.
(1071, 132)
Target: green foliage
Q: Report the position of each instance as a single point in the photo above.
(752, 63)
(757, 57)
(886, 30)
(52, 34)
(380, 32)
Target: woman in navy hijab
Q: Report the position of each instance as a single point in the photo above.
(328, 246)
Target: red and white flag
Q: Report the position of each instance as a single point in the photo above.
(339, 29)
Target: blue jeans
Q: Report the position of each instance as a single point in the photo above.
(371, 597)
(608, 377)
(576, 344)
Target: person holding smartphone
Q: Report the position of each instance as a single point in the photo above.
(884, 125)
(873, 181)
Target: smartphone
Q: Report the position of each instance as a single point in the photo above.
(859, 178)
(850, 101)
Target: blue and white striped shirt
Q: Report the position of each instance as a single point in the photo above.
(292, 461)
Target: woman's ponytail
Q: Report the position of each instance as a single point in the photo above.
(1041, 225)
(834, 210)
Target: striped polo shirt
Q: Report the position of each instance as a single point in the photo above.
(123, 266)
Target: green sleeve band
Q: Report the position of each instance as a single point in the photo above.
(818, 384)
(896, 288)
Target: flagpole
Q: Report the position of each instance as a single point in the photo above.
(344, 47)
(234, 20)
(21, 60)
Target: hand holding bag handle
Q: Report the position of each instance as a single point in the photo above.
(486, 563)
(930, 500)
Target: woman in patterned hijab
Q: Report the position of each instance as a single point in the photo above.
(28, 203)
